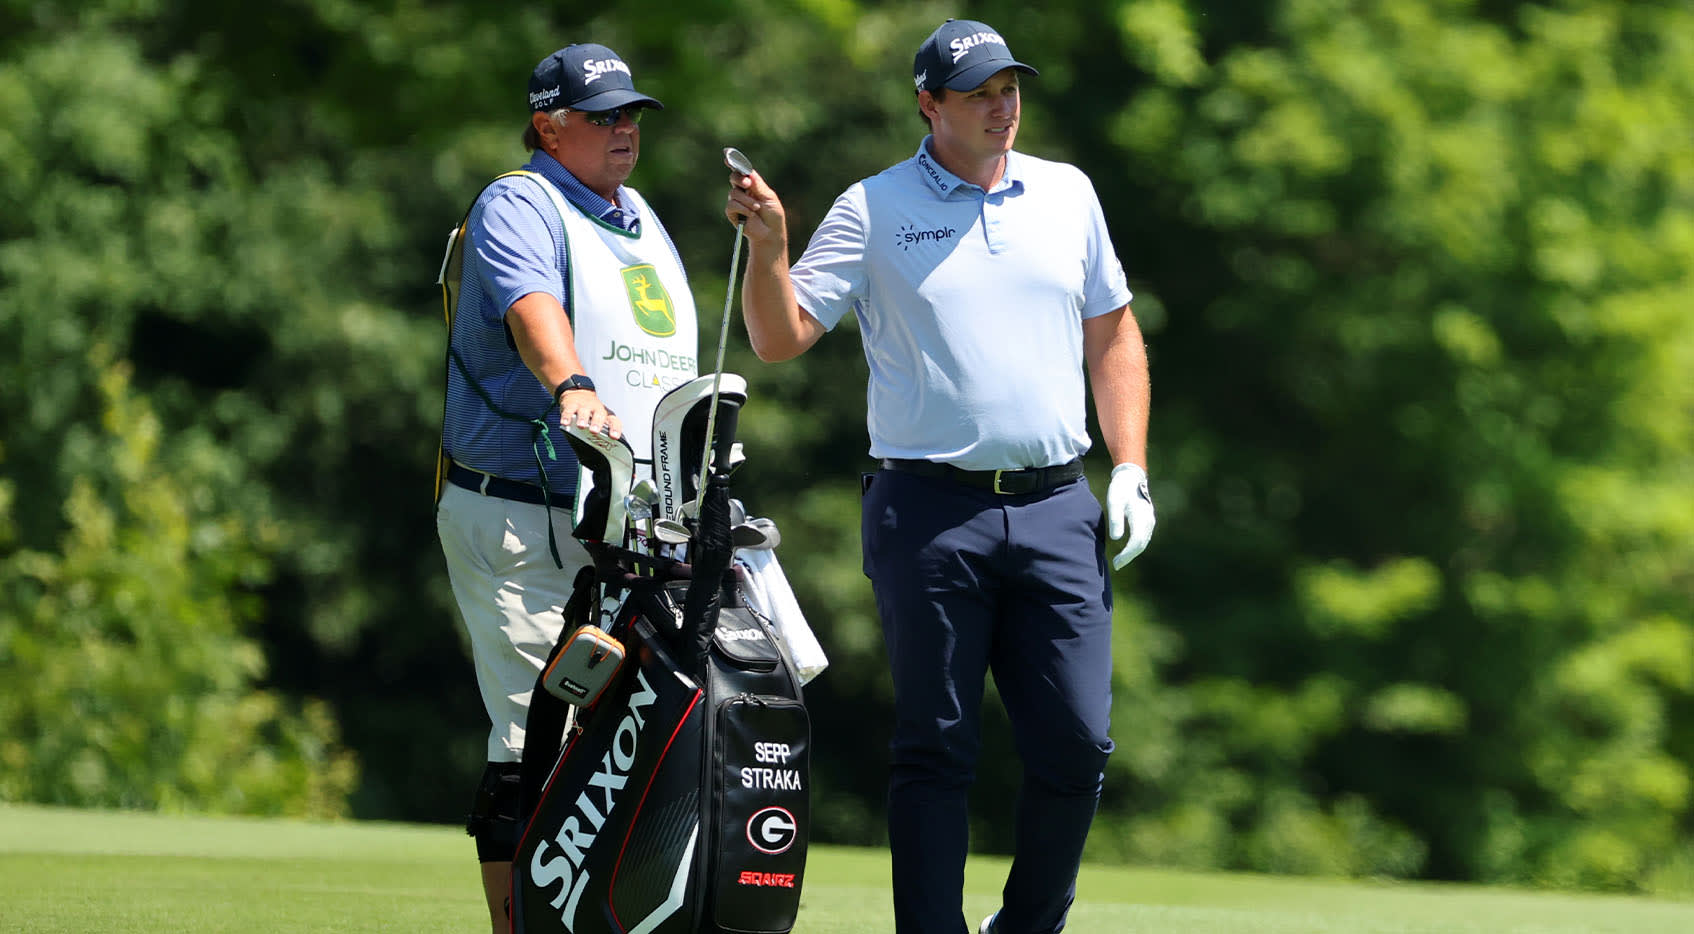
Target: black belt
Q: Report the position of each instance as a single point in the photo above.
(489, 485)
(1007, 482)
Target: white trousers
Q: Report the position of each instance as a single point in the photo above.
(511, 597)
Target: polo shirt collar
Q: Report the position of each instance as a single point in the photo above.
(582, 196)
(944, 183)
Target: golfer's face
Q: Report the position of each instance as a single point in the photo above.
(984, 120)
(601, 157)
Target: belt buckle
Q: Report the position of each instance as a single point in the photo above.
(997, 475)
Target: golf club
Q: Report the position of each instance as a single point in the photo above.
(671, 532)
(733, 158)
(645, 490)
(643, 505)
(760, 533)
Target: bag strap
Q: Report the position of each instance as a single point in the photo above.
(549, 717)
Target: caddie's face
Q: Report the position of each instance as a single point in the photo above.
(981, 122)
(601, 157)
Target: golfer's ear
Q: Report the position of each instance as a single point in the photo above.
(926, 103)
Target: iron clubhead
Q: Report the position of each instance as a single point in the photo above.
(737, 161)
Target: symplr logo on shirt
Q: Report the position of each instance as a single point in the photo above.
(909, 236)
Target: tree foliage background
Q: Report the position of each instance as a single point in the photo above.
(1418, 286)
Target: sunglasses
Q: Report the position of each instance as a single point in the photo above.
(610, 117)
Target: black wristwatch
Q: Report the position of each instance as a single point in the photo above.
(578, 381)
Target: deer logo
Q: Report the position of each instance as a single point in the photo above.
(649, 301)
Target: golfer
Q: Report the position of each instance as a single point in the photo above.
(573, 307)
(984, 280)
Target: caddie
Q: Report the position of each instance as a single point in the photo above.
(570, 306)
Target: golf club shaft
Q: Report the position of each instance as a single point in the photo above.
(717, 374)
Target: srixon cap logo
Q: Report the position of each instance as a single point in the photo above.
(772, 830)
(595, 69)
(962, 46)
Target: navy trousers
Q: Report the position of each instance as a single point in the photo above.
(968, 581)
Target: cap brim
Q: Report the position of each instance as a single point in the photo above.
(972, 77)
(614, 97)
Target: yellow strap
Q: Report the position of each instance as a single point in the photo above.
(452, 270)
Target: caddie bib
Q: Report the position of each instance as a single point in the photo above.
(633, 317)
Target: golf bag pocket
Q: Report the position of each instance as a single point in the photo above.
(761, 756)
(585, 663)
(745, 642)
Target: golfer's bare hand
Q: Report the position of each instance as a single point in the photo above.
(751, 199)
(583, 408)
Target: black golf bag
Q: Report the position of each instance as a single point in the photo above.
(678, 801)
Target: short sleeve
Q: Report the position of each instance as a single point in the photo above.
(1106, 288)
(830, 277)
(515, 250)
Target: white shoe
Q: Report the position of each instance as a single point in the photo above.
(987, 925)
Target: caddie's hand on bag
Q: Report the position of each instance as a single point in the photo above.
(1129, 507)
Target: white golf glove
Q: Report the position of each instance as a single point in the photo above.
(1129, 508)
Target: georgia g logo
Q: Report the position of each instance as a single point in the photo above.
(772, 830)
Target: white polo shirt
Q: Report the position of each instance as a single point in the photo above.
(970, 306)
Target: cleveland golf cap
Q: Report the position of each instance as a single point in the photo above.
(961, 54)
(585, 76)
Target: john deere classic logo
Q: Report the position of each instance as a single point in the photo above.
(649, 301)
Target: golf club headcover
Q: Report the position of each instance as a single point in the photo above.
(606, 467)
(679, 437)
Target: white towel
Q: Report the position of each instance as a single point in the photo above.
(768, 593)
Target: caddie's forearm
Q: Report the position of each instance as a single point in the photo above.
(542, 334)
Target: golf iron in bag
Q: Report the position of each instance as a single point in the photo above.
(677, 800)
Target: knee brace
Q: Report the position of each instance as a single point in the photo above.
(496, 817)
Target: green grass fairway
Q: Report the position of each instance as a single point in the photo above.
(93, 871)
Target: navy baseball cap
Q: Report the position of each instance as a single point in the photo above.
(585, 76)
(961, 54)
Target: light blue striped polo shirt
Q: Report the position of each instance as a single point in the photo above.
(970, 307)
(515, 245)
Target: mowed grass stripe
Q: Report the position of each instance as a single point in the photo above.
(64, 870)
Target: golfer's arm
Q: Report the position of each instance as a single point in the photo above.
(1117, 373)
(776, 326)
